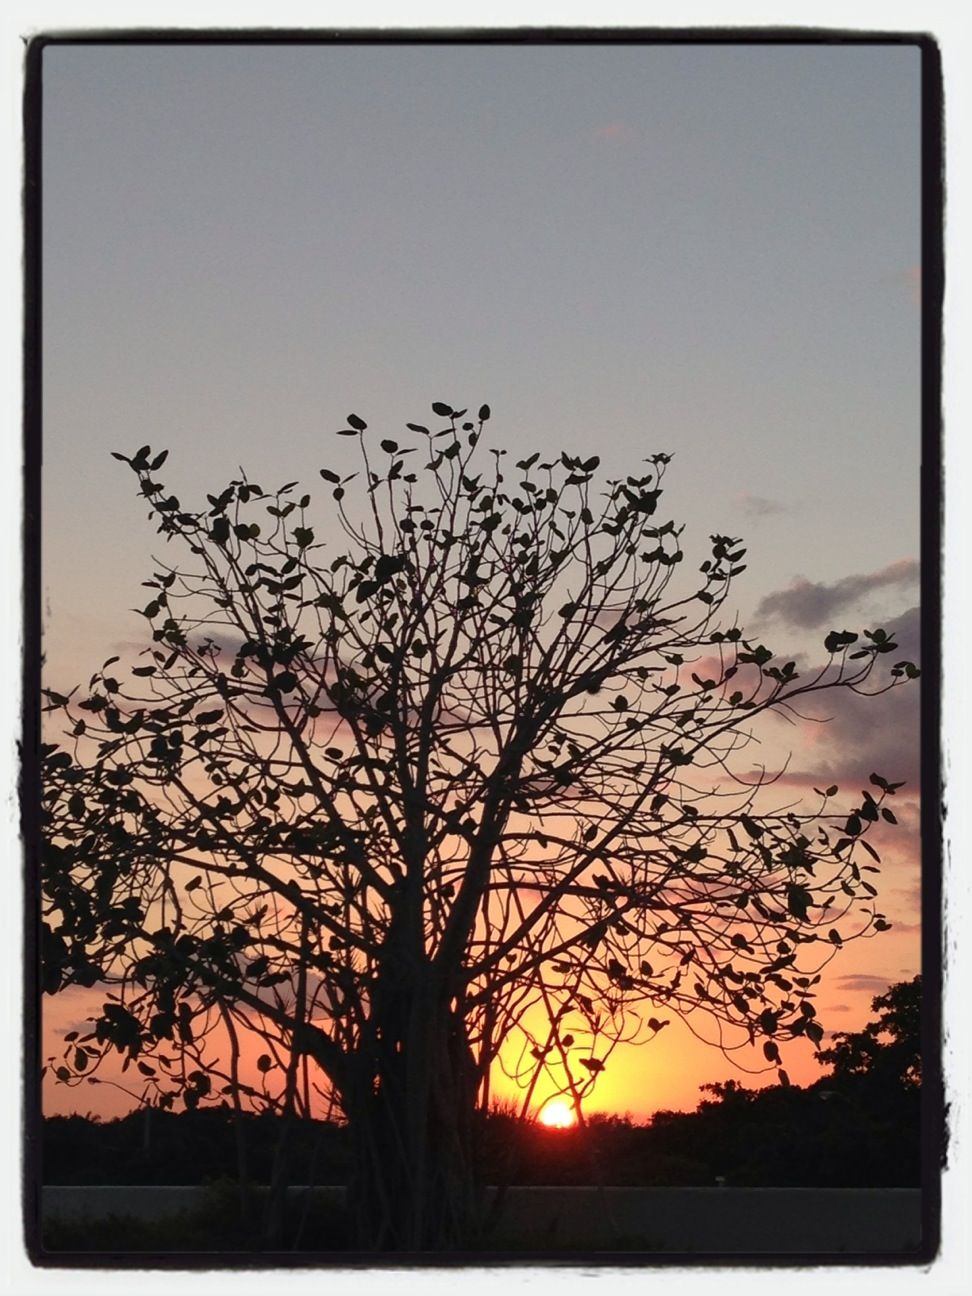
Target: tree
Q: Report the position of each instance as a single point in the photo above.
(462, 792)
(887, 1052)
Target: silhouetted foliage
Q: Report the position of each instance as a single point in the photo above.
(859, 1126)
(188, 1147)
(366, 814)
(887, 1052)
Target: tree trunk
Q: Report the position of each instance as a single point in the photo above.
(414, 1182)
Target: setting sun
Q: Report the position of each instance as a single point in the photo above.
(558, 1115)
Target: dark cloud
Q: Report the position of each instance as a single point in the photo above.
(881, 733)
(808, 604)
(847, 736)
(757, 506)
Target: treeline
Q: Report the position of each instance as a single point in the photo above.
(775, 1137)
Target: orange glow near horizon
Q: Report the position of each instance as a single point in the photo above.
(558, 1115)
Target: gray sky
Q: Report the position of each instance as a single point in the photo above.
(712, 251)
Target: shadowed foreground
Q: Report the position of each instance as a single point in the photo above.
(693, 1221)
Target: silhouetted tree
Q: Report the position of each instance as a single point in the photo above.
(859, 1125)
(888, 1050)
(375, 810)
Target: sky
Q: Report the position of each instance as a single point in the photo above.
(712, 251)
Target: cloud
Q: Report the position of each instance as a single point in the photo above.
(757, 506)
(843, 736)
(808, 604)
(911, 277)
(615, 132)
(880, 733)
(863, 981)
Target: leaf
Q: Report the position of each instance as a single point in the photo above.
(838, 639)
(440, 407)
(594, 1065)
(835, 936)
(483, 413)
(330, 476)
(357, 423)
(798, 900)
(768, 1021)
(264, 1062)
(194, 884)
(770, 1052)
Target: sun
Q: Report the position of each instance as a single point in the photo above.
(558, 1115)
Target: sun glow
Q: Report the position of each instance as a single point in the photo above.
(558, 1115)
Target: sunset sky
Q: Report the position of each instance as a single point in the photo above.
(709, 251)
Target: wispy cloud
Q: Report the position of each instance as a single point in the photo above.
(863, 981)
(757, 506)
(614, 132)
(808, 604)
(912, 280)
